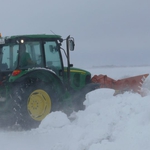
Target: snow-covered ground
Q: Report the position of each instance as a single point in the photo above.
(109, 122)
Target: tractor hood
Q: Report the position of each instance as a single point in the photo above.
(78, 77)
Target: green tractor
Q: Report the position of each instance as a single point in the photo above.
(35, 82)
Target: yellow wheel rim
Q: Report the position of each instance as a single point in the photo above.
(39, 104)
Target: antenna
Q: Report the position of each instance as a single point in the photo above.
(52, 32)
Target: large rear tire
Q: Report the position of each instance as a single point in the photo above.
(33, 103)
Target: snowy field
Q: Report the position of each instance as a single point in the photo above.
(108, 123)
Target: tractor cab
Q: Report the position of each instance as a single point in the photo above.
(33, 51)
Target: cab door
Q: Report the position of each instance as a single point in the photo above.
(53, 57)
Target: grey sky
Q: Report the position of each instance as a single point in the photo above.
(106, 32)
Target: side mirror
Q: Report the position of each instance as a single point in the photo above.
(71, 44)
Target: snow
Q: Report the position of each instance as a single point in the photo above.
(109, 122)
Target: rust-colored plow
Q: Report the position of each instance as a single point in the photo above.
(133, 84)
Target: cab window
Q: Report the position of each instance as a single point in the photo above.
(30, 55)
(8, 55)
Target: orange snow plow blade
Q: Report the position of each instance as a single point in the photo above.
(133, 84)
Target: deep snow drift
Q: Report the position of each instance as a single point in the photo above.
(108, 123)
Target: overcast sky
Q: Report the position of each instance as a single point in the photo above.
(106, 32)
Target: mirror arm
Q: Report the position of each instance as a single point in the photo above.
(68, 60)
